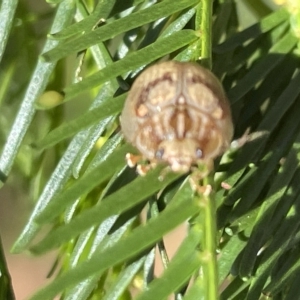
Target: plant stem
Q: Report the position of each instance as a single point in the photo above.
(206, 222)
(204, 27)
(209, 246)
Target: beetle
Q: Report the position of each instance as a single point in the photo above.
(177, 113)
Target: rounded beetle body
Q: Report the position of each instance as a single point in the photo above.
(177, 112)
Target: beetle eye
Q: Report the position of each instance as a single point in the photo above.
(159, 153)
(199, 153)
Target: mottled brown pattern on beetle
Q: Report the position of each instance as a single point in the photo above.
(187, 124)
(196, 79)
(208, 139)
(144, 96)
(167, 125)
(177, 113)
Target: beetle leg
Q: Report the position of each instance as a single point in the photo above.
(132, 159)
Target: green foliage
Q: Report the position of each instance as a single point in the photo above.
(6, 291)
(243, 241)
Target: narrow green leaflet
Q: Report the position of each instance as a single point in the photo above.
(263, 67)
(84, 185)
(284, 237)
(261, 9)
(252, 50)
(54, 1)
(138, 240)
(236, 289)
(180, 269)
(82, 291)
(38, 82)
(132, 61)
(114, 204)
(294, 286)
(109, 107)
(54, 186)
(259, 237)
(123, 280)
(187, 248)
(273, 116)
(283, 103)
(7, 12)
(178, 24)
(155, 12)
(195, 292)
(291, 267)
(259, 179)
(253, 32)
(228, 254)
(106, 150)
(103, 10)
(221, 22)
